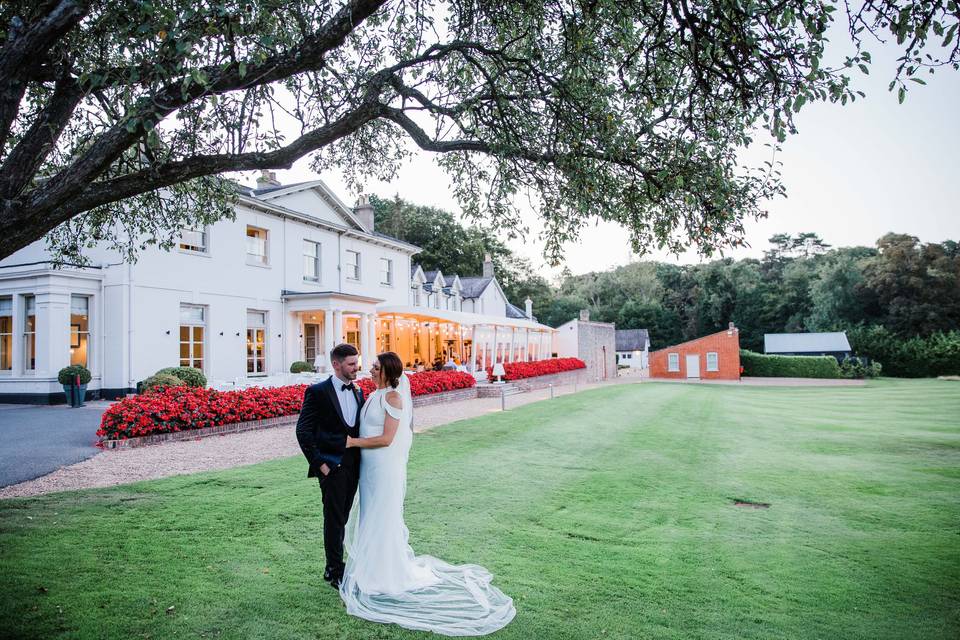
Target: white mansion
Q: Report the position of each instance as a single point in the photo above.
(295, 273)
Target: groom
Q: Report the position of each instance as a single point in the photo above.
(331, 412)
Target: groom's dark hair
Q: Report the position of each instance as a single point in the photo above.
(391, 367)
(343, 351)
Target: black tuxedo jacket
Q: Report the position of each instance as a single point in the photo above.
(321, 430)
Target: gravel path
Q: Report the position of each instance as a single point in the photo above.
(121, 466)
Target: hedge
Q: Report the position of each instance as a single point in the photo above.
(191, 376)
(917, 357)
(763, 366)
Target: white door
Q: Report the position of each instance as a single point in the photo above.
(693, 366)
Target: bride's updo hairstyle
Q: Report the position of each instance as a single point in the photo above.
(391, 367)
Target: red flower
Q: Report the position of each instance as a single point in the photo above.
(184, 408)
(519, 370)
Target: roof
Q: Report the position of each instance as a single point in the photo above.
(514, 312)
(632, 339)
(474, 286)
(805, 342)
(262, 191)
(449, 280)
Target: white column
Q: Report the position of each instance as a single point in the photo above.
(374, 326)
(473, 347)
(337, 327)
(327, 345)
(513, 344)
(365, 358)
(53, 333)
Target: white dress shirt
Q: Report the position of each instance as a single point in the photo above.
(348, 400)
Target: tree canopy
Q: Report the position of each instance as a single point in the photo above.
(116, 115)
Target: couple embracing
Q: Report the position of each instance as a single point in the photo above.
(358, 448)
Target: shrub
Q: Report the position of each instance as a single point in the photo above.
(191, 376)
(301, 367)
(769, 366)
(161, 381)
(520, 370)
(67, 375)
(853, 367)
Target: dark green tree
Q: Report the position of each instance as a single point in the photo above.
(115, 115)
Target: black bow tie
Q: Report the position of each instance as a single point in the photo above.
(350, 386)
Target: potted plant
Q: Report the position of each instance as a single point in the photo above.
(74, 380)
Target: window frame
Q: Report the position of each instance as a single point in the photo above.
(716, 361)
(670, 362)
(252, 258)
(8, 335)
(80, 334)
(262, 357)
(192, 359)
(388, 282)
(315, 258)
(205, 233)
(353, 267)
(27, 336)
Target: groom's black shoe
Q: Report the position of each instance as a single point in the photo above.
(328, 574)
(335, 582)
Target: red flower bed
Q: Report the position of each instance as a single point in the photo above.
(518, 370)
(186, 408)
(427, 382)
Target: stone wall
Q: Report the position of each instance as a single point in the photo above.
(556, 379)
(597, 346)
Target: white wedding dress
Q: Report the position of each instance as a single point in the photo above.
(384, 580)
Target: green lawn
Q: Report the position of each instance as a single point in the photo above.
(608, 514)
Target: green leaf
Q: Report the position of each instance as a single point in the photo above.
(864, 69)
(243, 69)
(902, 94)
(919, 80)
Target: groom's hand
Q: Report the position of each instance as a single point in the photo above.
(324, 469)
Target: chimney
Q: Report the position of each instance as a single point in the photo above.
(528, 303)
(487, 266)
(267, 179)
(584, 315)
(730, 329)
(364, 212)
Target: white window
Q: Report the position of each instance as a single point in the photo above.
(194, 240)
(416, 295)
(79, 330)
(311, 261)
(256, 342)
(353, 265)
(311, 342)
(673, 362)
(6, 334)
(257, 246)
(192, 329)
(29, 333)
(713, 361)
(386, 271)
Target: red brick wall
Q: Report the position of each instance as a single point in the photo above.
(726, 346)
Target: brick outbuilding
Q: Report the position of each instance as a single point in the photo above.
(712, 357)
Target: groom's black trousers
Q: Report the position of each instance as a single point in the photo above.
(338, 489)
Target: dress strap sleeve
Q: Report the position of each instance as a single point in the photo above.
(389, 408)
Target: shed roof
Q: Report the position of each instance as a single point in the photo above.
(805, 342)
(632, 339)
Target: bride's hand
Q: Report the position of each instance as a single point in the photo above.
(351, 442)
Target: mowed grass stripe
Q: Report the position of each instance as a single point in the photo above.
(605, 514)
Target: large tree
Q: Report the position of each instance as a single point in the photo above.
(115, 115)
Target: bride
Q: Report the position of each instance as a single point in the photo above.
(384, 580)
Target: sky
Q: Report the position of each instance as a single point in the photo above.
(852, 173)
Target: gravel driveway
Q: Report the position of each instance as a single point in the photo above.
(120, 466)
